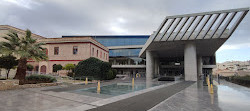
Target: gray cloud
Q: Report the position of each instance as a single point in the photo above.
(54, 18)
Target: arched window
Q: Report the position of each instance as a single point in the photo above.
(53, 68)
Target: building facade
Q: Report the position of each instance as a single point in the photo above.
(69, 51)
(123, 52)
(61, 50)
(188, 42)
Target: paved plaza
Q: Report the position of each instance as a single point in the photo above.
(171, 96)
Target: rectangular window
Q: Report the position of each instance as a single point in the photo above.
(75, 50)
(101, 54)
(93, 51)
(56, 50)
(97, 53)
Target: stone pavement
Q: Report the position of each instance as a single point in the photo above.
(227, 97)
(174, 96)
(144, 101)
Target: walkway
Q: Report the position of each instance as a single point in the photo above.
(144, 101)
(227, 97)
(180, 96)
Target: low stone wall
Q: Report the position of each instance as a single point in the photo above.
(14, 84)
(37, 85)
(8, 84)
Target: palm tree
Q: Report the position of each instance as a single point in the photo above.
(23, 48)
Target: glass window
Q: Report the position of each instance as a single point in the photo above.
(93, 51)
(56, 50)
(75, 50)
(124, 52)
(100, 54)
(119, 41)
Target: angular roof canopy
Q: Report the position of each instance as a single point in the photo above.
(196, 26)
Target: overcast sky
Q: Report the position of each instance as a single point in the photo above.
(54, 18)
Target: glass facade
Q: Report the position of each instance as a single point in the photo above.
(124, 52)
(122, 41)
(123, 56)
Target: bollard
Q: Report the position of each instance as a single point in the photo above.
(98, 87)
(133, 83)
(208, 82)
(86, 81)
(211, 89)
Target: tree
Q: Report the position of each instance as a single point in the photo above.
(57, 67)
(105, 70)
(8, 62)
(30, 67)
(89, 67)
(70, 67)
(95, 68)
(25, 48)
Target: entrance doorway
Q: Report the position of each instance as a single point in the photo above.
(43, 69)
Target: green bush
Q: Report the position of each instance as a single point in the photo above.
(105, 70)
(110, 75)
(57, 67)
(241, 80)
(89, 67)
(69, 67)
(2, 78)
(95, 68)
(70, 74)
(33, 79)
(30, 67)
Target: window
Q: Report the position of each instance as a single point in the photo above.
(93, 51)
(97, 53)
(100, 54)
(56, 50)
(45, 51)
(75, 50)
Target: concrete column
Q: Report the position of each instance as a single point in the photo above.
(155, 67)
(149, 65)
(199, 66)
(114, 61)
(190, 62)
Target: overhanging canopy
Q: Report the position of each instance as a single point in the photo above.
(208, 29)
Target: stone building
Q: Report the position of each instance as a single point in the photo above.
(61, 50)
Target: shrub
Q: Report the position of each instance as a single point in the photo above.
(94, 68)
(8, 62)
(57, 67)
(89, 67)
(241, 80)
(33, 79)
(70, 74)
(30, 67)
(2, 78)
(105, 70)
(110, 75)
(69, 67)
